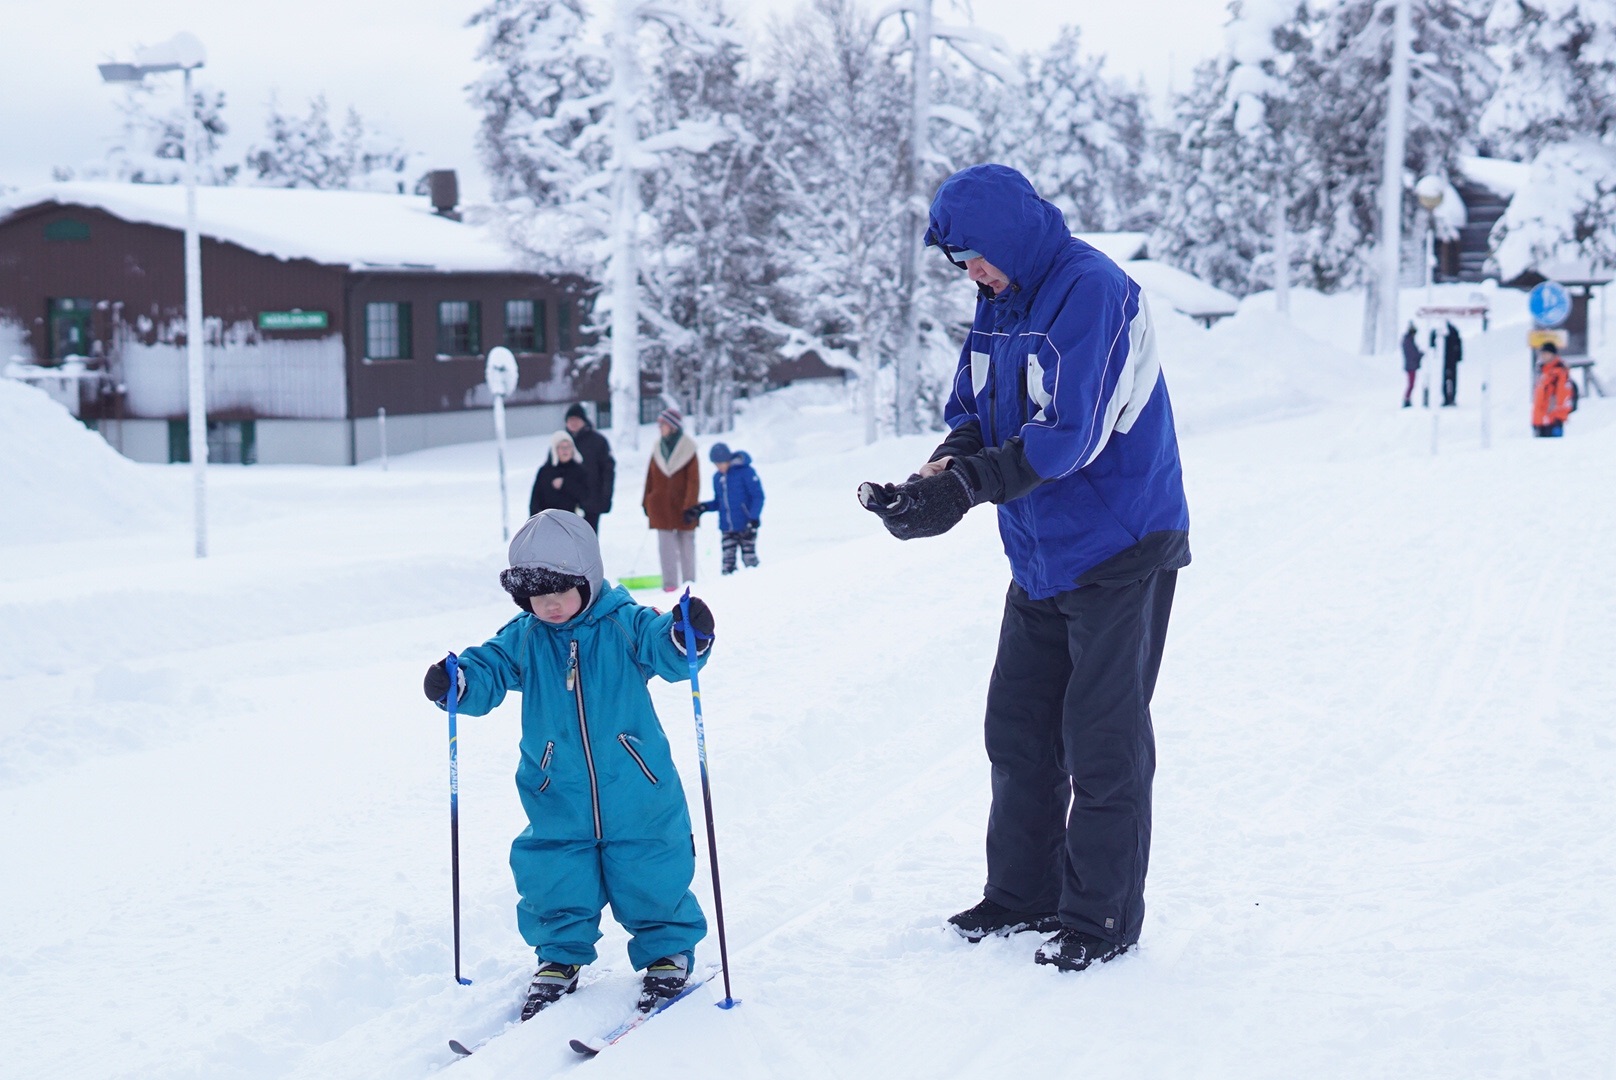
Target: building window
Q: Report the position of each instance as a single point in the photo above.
(387, 331)
(524, 326)
(563, 326)
(459, 330)
(230, 442)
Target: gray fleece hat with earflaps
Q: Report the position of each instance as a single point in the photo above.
(555, 551)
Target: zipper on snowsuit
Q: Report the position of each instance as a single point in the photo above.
(576, 684)
(638, 760)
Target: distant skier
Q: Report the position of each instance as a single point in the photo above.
(562, 483)
(600, 468)
(607, 820)
(672, 486)
(1452, 355)
(1411, 363)
(1554, 397)
(1061, 417)
(738, 498)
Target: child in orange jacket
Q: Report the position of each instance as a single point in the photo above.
(1551, 403)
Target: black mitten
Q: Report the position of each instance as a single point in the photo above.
(436, 683)
(928, 506)
(701, 619)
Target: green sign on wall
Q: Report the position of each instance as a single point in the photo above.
(296, 319)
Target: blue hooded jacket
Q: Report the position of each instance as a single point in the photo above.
(737, 494)
(1058, 409)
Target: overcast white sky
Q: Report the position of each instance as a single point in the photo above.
(405, 63)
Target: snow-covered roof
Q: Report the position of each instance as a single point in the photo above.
(364, 230)
(1183, 290)
(1495, 174)
(1119, 247)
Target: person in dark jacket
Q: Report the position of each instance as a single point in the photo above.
(600, 468)
(1059, 415)
(562, 483)
(1411, 363)
(1452, 354)
(738, 498)
(607, 821)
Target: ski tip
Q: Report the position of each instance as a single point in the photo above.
(459, 1047)
(584, 1048)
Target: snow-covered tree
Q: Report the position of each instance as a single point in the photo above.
(542, 92)
(711, 282)
(305, 152)
(1079, 135)
(840, 153)
(569, 127)
(1555, 106)
(150, 146)
(1343, 85)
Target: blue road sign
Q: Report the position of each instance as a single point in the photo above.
(1550, 304)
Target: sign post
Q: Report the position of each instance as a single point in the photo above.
(501, 375)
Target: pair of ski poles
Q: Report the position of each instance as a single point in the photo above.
(451, 665)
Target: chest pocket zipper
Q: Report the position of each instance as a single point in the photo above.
(638, 760)
(544, 763)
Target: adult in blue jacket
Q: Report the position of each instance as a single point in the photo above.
(1060, 416)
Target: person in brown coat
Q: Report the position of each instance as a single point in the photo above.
(672, 486)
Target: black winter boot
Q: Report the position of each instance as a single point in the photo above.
(988, 919)
(550, 984)
(663, 979)
(1073, 950)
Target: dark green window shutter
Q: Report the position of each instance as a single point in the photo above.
(406, 340)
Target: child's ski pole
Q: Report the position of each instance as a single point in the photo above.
(729, 1001)
(451, 665)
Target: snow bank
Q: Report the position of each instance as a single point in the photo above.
(59, 479)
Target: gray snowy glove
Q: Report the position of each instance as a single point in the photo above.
(928, 506)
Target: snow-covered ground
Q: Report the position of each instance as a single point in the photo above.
(1384, 821)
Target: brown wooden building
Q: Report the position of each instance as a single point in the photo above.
(321, 308)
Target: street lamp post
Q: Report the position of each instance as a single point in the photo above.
(1429, 192)
(184, 53)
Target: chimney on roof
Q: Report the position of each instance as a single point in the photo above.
(445, 189)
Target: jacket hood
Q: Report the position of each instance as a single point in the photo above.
(740, 459)
(561, 541)
(993, 210)
(556, 441)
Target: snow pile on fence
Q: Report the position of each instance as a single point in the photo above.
(59, 479)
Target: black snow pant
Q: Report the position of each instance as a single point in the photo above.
(1073, 753)
(743, 541)
(1450, 383)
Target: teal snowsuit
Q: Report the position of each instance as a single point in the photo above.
(607, 819)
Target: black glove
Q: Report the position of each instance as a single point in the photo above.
(928, 506)
(701, 618)
(693, 514)
(436, 683)
(753, 525)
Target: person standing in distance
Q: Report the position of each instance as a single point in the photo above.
(1060, 416)
(600, 468)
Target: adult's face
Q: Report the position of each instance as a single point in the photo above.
(575, 424)
(983, 272)
(563, 451)
(666, 428)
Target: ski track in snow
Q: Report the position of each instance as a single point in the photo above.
(1382, 822)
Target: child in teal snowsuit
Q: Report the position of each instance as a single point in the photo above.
(607, 820)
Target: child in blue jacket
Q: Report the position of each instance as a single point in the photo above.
(738, 498)
(607, 820)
